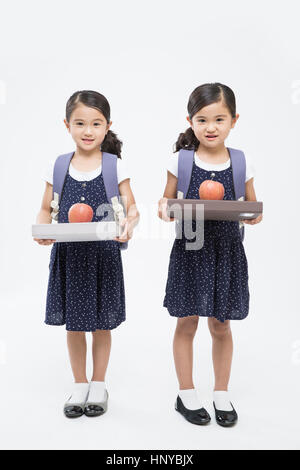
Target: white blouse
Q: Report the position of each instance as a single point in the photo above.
(122, 172)
(172, 165)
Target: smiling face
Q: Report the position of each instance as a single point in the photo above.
(88, 127)
(212, 124)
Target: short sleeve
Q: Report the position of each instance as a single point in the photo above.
(172, 164)
(250, 168)
(48, 172)
(122, 170)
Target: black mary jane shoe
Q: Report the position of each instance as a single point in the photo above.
(226, 418)
(74, 410)
(93, 409)
(200, 416)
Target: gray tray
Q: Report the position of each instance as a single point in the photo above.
(214, 210)
(76, 232)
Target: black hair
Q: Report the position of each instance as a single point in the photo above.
(202, 96)
(93, 99)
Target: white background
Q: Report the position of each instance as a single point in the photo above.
(146, 58)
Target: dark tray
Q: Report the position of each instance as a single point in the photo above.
(214, 210)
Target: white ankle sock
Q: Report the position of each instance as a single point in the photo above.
(222, 401)
(96, 393)
(190, 399)
(79, 394)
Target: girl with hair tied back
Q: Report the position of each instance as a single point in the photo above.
(86, 286)
(211, 281)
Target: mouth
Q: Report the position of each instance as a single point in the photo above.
(211, 137)
(87, 141)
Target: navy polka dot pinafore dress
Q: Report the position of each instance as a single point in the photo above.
(86, 285)
(211, 281)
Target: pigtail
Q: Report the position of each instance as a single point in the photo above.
(187, 140)
(112, 144)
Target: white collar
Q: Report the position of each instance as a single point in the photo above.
(211, 166)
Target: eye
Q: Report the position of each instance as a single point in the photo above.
(79, 123)
(97, 124)
(201, 120)
(220, 119)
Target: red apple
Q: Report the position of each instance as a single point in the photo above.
(210, 189)
(80, 213)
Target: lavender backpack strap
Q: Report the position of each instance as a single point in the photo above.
(110, 178)
(60, 170)
(238, 164)
(185, 166)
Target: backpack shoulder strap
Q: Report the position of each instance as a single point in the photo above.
(109, 172)
(60, 170)
(185, 166)
(110, 179)
(238, 164)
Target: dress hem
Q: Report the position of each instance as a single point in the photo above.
(201, 315)
(86, 331)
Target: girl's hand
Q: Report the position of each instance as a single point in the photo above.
(251, 196)
(132, 214)
(253, 221)
(162, 210)
(43, 241)
(127, 231)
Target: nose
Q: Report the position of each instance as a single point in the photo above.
(211, 128)
(87, 130)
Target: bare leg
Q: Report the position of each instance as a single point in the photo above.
(183, 350)
(76, 341)
(101, 352)
(222, 348)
